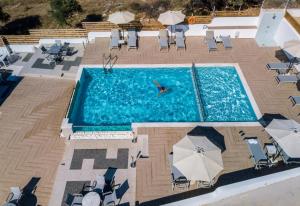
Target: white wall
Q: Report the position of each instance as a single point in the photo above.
(200, 29)
(19, 48)
(69, 40)
(238, 188)
(294, 12)
(285, 32)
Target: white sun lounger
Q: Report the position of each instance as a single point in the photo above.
(132, 39)
(295, 100)
(226, 42)
(180, 40)
(257, 154)
(114, 39)
(287, 78)
(211, 43)
(278, 66)
(163, 39)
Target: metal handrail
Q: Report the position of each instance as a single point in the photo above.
(110, 60)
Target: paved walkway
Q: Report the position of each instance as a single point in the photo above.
(29, 126)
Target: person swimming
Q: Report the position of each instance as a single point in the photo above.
(160, 88)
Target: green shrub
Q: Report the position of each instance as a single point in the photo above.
(61, 10)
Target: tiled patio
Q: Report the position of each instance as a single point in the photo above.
(36, 64)
(85, 159)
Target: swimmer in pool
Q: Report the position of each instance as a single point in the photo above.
(160, 88)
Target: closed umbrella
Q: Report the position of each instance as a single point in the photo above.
(121, 17)
(287, 135)
(171, 18)
(197, 158)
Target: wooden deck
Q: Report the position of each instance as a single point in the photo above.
(153, 173)
(29, 126)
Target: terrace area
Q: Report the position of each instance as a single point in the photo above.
(46, 102)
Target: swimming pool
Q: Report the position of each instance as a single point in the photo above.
(114, 100)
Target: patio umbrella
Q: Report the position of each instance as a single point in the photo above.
(197, 158)
(292, 49)
(171, 18)
(287, 134)
(121, 17)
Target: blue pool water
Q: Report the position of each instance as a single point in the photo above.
(113, 101)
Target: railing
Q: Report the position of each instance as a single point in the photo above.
(108, 62)
(293, 21)
(56, 33)
(196, 84)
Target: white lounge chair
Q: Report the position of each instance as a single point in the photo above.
(114, 39)
(132, 39)
(278, 66)
(287, 78)
(163, 38)
(258, 156)
(295, 100)
(180, 40)
(226, 42)
(210, 40)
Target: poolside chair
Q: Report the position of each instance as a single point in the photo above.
(212, 46)
(287, 78)
(14, 195)
(295, 100)
(163, 38)
(210, 34)
(180, 40)
(257, 154)
(178, 179)
(278, 66)
(210, 40)
(132, 39)
(226, 41)
(74, 199)
(114, 39)
(111, 198)
(44, 50)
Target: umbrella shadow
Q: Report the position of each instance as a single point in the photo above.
(178, 27)
(267, 118)
(211, 133)
(280, 55)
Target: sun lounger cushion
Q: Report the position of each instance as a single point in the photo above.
(256, 151)
(296, 99)
(287, 78)
(163, 42)
(226, 41)
(278, 66)
(211, 44)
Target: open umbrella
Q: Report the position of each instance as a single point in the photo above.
(121, 17)
(292, 49)
(171, 18)
(197, 158)
(287, 135)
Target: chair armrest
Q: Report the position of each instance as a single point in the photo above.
(106, 193)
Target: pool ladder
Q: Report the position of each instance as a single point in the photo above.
(196, 84)
(108, 62)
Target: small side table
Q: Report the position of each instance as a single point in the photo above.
(122, 41)
(218, 39)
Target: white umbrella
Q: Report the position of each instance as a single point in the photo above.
(292, 49)
(197, 158)
(121, 17)
(171, 18)
(287, 134)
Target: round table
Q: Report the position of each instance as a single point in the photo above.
(91, 199)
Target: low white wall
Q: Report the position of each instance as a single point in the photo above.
(19, 48)
(238, 188)
(294, 12)
(285, 32)
(200, 29)
(69, 40)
